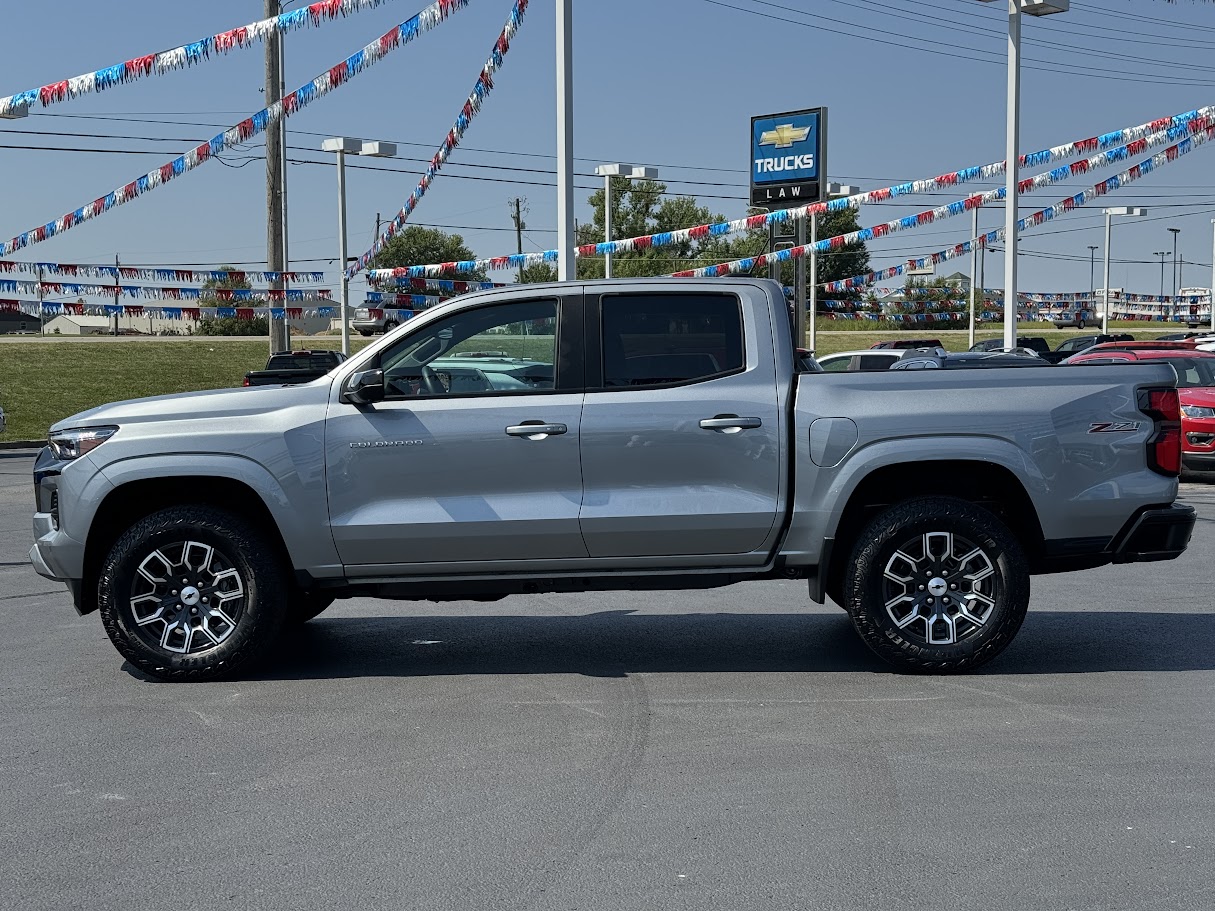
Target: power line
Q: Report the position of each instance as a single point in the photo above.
(904, 44)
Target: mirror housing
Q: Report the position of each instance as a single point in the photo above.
(364, 388)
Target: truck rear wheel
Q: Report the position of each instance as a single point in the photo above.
(192, 593)
(937, 584)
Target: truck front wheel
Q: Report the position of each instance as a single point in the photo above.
(937, 584)
(192, 593)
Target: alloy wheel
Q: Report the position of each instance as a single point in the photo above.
(939, 587)
(186, 597)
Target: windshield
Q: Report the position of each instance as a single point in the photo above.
(1191, 371)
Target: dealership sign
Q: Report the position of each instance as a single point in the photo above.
(788, 158)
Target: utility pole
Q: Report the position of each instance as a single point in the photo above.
(517, 218)
(117, 291)
(1092, 259)
(280, 337)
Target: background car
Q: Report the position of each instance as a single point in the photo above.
(365, 324)
(1195, 386)
(2, 424)
(851, 361)
(939, 358)
(903, 343)
(1032, 342)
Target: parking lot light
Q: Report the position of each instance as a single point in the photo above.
(607, 172)
(343, 146)
(1013, 137)
(1123, 211)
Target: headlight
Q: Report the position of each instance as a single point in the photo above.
(1197, 411)
(75, 442)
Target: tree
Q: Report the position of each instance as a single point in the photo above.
(417, 246)
(640, 207)
(537, 273)
(228, 325)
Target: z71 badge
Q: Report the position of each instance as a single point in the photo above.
(1114, 427)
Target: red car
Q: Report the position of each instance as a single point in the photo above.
(1195, 387)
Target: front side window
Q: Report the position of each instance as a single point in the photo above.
(504, 348)
(665, 339)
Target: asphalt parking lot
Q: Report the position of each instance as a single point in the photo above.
(731, 749)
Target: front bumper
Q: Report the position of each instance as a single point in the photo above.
(1198, 461)
(1155, 534)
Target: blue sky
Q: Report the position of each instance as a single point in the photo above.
(914, 88)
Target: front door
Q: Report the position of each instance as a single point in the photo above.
(681, 430)
(472, 456)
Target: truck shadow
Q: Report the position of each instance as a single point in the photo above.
(619, 643)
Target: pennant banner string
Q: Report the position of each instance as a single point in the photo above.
(1160, 159)
(184, 56)
(143, 273)
(242, 132)
(483, 86)
(1138, 138)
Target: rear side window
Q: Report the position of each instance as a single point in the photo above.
(665, 339)
(874, 362)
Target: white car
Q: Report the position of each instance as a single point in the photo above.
(866, 359)
(1205, 343)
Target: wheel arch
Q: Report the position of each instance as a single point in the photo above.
(138, 494)
(992, 485)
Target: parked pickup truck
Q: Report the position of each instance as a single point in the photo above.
(643, 434)
(294, 367)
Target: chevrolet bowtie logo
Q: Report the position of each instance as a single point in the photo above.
(783, 136)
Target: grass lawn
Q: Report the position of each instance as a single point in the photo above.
(44, 381)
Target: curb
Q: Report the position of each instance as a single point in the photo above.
(22, 444)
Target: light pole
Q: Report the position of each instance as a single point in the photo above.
(1162, 254)
(1211, 296)
(1012, 137)
(1092, 256)
(1105, 291)
(607, 172)
(344, 145)
(1174, 232)
(566, 269)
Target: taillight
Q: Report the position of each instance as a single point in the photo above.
(246, 382)
(1163, 406)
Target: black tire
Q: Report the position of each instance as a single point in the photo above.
(238, 591)
(365, 333)
(389, 325)
(921, 623)
(307, 605)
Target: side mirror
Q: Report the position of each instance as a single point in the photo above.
(364, 387)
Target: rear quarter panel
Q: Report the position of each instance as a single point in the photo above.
(1039, 424)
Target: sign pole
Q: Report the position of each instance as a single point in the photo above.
(799, 288)
(812, 306)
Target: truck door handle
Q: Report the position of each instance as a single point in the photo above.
(730, 423)
(536, 430)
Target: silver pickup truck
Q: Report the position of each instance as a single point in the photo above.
(644, 434)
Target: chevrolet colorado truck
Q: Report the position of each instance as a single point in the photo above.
(646, 434)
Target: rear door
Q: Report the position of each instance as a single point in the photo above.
(681, 427)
